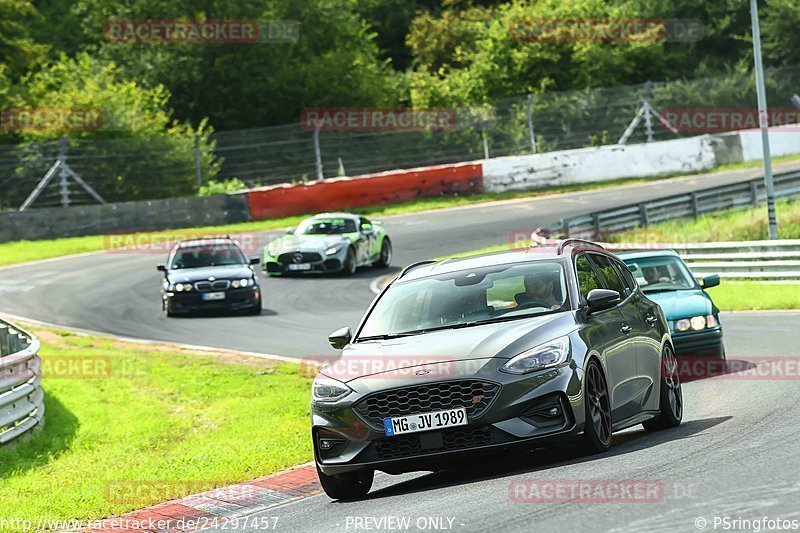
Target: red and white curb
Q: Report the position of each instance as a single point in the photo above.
(222, 508)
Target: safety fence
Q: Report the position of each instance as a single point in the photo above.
(21, 395)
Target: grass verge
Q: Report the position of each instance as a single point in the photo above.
(163, 422)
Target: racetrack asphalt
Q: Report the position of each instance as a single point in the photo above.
(118, 293)
(736, 455)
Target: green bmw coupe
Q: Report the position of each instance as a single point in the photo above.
(693, 318)
(329, 242)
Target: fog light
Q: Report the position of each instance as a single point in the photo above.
(553, 411)
(326, 444)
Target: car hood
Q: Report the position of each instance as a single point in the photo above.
(202, 274)
(305, 243)
(466, 349)
(683, 304)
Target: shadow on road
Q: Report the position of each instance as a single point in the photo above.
(543, 459)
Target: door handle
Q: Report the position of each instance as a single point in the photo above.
(626, 329)
(651, 320)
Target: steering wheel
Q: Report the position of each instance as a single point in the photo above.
(533, 303)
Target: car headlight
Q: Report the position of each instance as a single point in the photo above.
(696, 323)
(333, 249)
(545, 355)
(180, 287)
(244, 282)
(327, 389)
(271, 251)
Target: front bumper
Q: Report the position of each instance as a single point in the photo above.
(706, 343)
(235, 299)
(519, 414)
(319, 263)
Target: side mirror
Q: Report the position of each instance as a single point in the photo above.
(600, 299)
(161, 267)
(340, 338)
(710, 281)
(289, 231)
(255, 260)
(366, 228)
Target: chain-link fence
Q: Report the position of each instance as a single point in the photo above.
(129, 169)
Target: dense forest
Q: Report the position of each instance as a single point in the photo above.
(161, 100)
(414, 53)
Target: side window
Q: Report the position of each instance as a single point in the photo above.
(609, 274)
(587, 277)
(627, 277)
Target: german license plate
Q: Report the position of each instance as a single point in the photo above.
(210, 296)
(400, 425)
(300, 266)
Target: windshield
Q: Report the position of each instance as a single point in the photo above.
(207, 255)
(327, 226)
(468, 297)
(665, 273)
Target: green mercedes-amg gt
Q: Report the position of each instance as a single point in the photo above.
(329, 242)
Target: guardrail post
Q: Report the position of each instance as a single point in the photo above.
(565, 226)
(13, 342)
(643, 215)
(596, 222)
(4, 340)
(754, 193)
(694, 205)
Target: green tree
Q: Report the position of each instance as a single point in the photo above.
(18, 49)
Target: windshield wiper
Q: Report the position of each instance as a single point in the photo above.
(383, 337)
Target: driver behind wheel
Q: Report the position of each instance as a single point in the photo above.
(540, 288)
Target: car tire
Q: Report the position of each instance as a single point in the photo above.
(349, 266)
(597, 428)
(385, 256)
(348, 486)
(670, 396)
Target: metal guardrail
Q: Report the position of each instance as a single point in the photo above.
(694, 204)
(761, 260)
(765, 260)
(21, 395)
